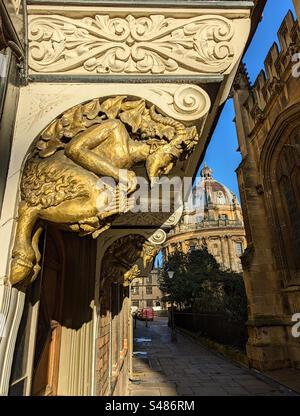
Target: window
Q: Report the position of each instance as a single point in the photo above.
(239, 248)
(220, 198)
(135, 303)
(223, 217)
(192, 247)
(149, 279)
(149, 290)
(149, 303)
(135, 290)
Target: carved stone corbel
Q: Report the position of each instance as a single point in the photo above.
(120, 259)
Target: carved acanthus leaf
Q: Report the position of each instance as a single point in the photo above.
(154, 44)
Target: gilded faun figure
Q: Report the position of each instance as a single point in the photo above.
(90, 141)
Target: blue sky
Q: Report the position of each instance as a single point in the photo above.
(221, 154)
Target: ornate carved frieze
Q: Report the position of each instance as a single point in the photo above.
(165, 220)
(153, 44)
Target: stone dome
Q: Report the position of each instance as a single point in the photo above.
(213, 220)
(215, 193)
(212, 201)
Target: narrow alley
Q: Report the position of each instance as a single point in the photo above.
(185, 368)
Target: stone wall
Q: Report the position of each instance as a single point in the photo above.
(267, 115)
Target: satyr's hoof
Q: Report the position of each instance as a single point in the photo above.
(36, 270)
(20, 270)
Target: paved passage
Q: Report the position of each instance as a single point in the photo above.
(185, 368)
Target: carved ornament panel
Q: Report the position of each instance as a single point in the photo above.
(153, 44)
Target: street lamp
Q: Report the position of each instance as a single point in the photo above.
(173, 332)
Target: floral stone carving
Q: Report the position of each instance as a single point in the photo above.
(147, 45)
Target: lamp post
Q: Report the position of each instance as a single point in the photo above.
(173, 332)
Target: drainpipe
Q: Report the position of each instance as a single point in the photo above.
(130, 336)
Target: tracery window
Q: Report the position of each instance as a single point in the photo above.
(288, 181)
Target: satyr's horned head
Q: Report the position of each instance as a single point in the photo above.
(162, 161)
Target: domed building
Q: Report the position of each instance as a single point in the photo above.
(214, 219)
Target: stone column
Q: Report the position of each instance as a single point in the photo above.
(231, 253)
(224, 248)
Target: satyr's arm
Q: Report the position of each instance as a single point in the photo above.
(79, 149)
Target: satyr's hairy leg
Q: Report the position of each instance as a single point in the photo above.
(23, 252)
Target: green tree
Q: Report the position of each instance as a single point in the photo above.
(175, 289)
(200, 285)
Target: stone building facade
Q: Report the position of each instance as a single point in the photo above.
(66, 265)
(215, 221)
(267, 123)
(145, 291)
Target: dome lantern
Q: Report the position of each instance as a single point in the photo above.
(206, 172)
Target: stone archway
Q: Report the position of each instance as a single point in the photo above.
(178, 140)
(278, 169)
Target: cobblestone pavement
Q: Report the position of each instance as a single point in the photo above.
(185, 368)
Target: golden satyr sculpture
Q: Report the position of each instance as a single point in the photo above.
(60, 182)
(119, 260)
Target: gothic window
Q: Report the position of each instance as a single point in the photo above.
(288, 179)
